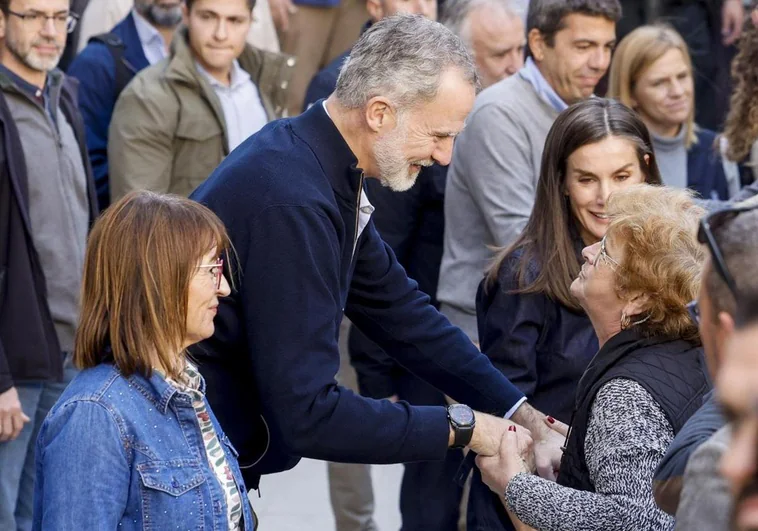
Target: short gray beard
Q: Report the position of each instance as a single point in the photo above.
(31, 59)
(392, 166)
(163, 17)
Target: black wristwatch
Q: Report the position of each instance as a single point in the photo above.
(462, 421)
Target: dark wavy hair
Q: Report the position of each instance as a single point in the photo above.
(548, 238)
(549, 16)
(741, 129)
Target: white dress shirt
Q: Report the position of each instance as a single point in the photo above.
(152, 41)
(243, 110)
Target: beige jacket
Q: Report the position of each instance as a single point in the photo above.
(168, 131)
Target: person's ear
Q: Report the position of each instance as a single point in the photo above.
(646, 158)
(380, 115)
(726, 325)
(2, 25)
(633, 103)
(537, 44)
(637, 305)
(375, 10)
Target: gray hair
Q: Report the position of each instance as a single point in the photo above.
(402, 58)
(456, 16)
(738, 241)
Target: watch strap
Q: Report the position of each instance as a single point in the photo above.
(462, 436)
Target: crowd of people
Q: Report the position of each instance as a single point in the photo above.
(531, 228)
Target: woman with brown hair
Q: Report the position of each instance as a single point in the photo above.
(647, 379)
(530, 326)
(132, 442)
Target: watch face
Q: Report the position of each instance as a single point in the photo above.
(462, 415)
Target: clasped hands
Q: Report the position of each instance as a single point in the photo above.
(506, 449)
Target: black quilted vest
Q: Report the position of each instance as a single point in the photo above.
(672, 371)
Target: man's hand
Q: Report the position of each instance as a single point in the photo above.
(488, 433)
(280, 13)
(12, 417)
(547, 441)
(732, 19)
(511, 459)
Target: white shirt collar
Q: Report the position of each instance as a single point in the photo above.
(146, 31)
(238, 76)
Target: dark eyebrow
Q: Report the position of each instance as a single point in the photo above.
(625, 167)
(584, 172)
(594, 43)
(590, 174)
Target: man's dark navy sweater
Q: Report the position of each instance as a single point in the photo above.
(288, 197)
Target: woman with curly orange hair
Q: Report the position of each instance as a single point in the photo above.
(646, 380)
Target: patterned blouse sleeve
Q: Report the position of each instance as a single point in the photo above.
(627, 436)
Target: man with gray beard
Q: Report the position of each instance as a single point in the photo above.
(47, 203)
(293, 200)
(109, 62)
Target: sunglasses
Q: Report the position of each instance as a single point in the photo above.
(216, 269)
(714, 222)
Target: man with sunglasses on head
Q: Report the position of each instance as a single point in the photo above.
(688, 483)
(739, 400)
(47, 203)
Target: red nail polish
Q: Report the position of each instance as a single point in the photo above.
(511, 428)
(551, 420)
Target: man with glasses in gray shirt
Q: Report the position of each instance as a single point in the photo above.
(47, 203)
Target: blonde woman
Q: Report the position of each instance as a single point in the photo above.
(652, 73)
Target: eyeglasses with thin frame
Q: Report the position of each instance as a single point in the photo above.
(604, 256)
(38, 19)
(712, 222)
(216, 269)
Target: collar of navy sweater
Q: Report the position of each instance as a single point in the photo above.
(339, 163)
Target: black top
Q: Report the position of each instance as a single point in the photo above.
(673, 371)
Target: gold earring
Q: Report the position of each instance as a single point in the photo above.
(625, 321)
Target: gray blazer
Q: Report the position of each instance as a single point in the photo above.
(706, 503)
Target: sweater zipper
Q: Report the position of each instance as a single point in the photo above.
(357, 215)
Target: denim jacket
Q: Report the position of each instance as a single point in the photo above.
(127, 453)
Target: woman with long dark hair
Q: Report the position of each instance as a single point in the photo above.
(530, 326)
